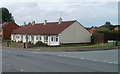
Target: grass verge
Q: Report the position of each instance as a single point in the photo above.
(78, 47)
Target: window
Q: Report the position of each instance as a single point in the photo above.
(54, 38)
(27, 38)
(36, 37)
(46, 38)
(39, 37)
(17, 37)
(32, 38)
(21, 37)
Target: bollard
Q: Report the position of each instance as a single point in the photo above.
(8, 43)
(25, 45)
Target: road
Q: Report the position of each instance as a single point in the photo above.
(24, 61)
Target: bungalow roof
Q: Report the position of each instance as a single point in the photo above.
(49, 28)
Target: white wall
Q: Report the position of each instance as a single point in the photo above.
(75, 34)
(51, 43)
(12, 37)
(24, 38)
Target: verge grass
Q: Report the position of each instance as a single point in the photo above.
(78, 46)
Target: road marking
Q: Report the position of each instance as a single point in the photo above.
(94, 60)
(62, 55)
(112, 62)
(81, 58)
(21, 70)
(105, 61)
(59, 55)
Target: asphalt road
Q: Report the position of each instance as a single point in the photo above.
(24, 61)
(106, 56)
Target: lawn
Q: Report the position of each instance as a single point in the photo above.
(12, 43)
(15, 43)
(69, 47)
(78, 47)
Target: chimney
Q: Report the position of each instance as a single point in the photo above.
(60, 20)
(24, 23)
(33, 23)
(45, 22)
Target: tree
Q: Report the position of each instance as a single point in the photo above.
(29, 23)
(116, 26)
(108, 25)
(6, 15)
(92, 26)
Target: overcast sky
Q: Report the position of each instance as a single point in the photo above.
(87, 13)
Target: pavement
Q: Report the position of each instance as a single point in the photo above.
(29, 61)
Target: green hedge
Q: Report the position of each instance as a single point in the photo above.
(111, 31)
(39, 43)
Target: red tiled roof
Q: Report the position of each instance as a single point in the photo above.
(117, 28)
(49, 28)
(92, 30)
(7, 23)
(103, 29)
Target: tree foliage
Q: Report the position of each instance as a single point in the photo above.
(108, 25)
(29, 23)
(6, 15)
(110, 32)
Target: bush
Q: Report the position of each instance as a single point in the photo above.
(111, 31)
(39, 43)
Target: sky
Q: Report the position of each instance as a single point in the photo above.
(88, 13)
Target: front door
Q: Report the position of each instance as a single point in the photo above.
(54, 40)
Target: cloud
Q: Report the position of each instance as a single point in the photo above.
(60, 0)
(87, 13)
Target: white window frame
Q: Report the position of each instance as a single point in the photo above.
(32, 37)
(17, 37)
(39, 37)
(21, 37)
(46, 38)
(54, 38)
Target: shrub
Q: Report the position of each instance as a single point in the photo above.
(111, 31)
(30, 43)
(39, 43)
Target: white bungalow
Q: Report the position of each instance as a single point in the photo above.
(52, 33)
